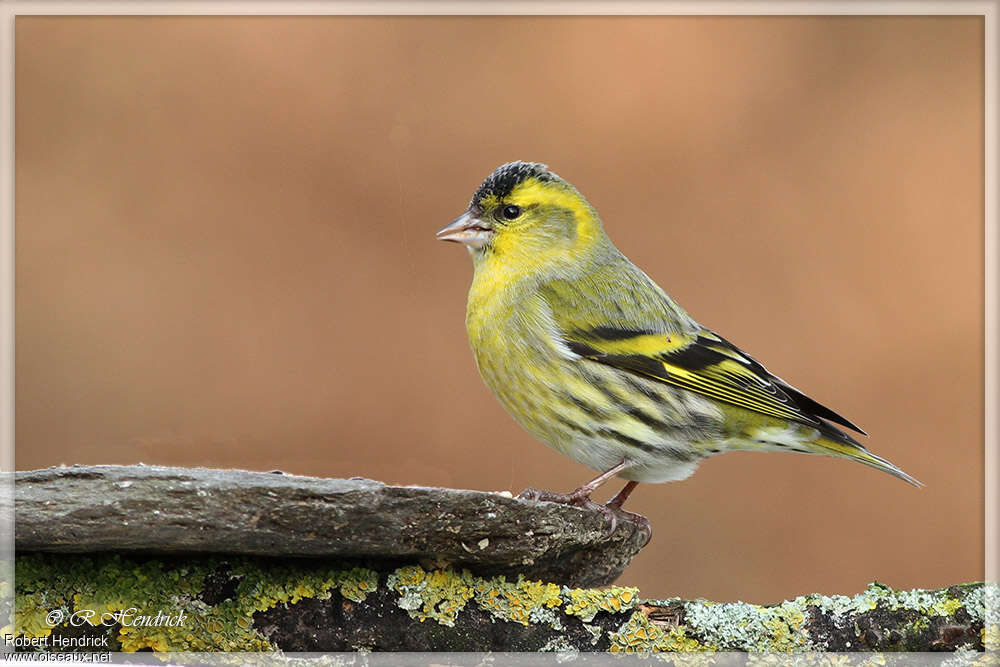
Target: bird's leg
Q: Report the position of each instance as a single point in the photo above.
(619, 500)
(581, 498)
(615, 507)
(583, 493)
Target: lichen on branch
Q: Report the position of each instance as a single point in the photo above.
(237, 603)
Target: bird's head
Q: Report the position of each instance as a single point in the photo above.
(526, 217)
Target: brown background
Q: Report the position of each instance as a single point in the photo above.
(225, 256)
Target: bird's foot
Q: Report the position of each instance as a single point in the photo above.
(611, 512)
(616, 514)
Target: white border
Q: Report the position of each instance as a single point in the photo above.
(493, 7)
(991, 245)
(987, 9)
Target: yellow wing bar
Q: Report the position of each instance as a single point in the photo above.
(703, 363)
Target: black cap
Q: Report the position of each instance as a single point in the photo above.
(506, 177)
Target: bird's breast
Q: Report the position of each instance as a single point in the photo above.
(516, 347)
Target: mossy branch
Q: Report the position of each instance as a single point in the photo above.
(171, 559)
(259, 604)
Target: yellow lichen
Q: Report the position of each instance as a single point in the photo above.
(31, 613)
(586, 602)
(946, 607)
(108, 586)
(739, 626)
(357, 583)
(439, 595)
(522, 602)
(641, 636)
(136, 641)
(127, 594)
(785, 624)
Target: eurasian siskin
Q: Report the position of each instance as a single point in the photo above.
(595, 360)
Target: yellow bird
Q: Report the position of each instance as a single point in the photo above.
(589, 355)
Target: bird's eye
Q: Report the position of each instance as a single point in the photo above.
(510, 212)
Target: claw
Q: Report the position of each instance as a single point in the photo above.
(531, 494)
(614, 521)
(547, 496)
(638, 520)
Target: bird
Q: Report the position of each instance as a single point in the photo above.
(596, 361)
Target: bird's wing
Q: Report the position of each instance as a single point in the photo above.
(643, 331)
(702, 362)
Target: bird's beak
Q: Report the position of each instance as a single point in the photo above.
(467, 230)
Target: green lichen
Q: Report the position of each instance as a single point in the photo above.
(947, 607)
(595, 632)
(30, 613)
(356, 583)
(738, 626)
(919, 624)
(933, 603)
(975, 601)
(439, 594)
(113, 591)
(523, 601)
(641, 636)
(267, 584)
(110, 585)
(927, 604)
(586, 602)
(100, 592)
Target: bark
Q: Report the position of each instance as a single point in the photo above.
(150, 509)
(237, 603)
(244, 561)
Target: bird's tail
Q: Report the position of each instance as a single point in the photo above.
(855, 452)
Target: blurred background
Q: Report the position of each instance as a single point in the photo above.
(225, 257)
